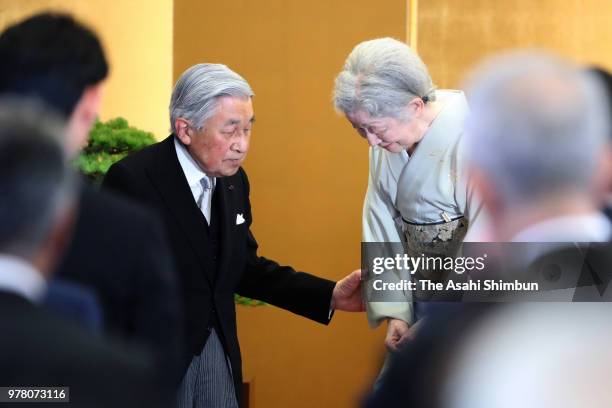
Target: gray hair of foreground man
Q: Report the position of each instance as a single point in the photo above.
(381, 77)
(538, 126)
(36, 185)
(196, 92)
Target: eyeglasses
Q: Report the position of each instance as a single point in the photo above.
(376, 130)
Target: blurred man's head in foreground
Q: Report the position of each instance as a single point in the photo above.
(60, 61)
(536, 139)
(36, 185)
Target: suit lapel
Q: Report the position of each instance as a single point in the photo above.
(172, 185)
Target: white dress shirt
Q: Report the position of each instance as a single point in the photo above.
(20, 277)
(557, 233)
(194, 175)
(593, 227)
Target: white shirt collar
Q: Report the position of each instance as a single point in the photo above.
(20, 277)
(593, 227)
(192, 170)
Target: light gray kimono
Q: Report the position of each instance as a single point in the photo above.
(421, 200)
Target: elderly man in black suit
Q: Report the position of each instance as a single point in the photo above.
(118, 248)
(195, 179)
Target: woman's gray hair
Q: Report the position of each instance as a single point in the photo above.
(381, 77)
(195, 94)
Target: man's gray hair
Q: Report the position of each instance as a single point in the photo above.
(195, 94)
(537, 125)
(381, 77)
(36, 182)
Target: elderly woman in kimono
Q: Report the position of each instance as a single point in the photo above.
(417, 190)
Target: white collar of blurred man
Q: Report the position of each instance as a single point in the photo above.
(41, 259)
(574, 227)
(220, 145)
(24, 271)
(21, 277)
(538, 143)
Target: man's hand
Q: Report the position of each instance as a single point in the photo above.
(398, 332)
(347, 293)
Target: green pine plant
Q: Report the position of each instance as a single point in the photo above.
(245, 301)
(110, 142)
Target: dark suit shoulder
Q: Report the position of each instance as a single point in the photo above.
(108, 223)
(45, 350)
(120, 250)
(106, 205)
(111, 236)
(49, 332)
(132, 176)
(149, 155)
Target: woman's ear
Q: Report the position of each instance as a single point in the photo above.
(183, 131)
(486, 191)
(416, 107)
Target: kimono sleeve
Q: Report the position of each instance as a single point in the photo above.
(379, 224)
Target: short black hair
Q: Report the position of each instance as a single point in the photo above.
(53, 57)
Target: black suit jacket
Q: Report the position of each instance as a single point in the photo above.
(39, 349)
(416, 374)
(209, 281)
(118, 248)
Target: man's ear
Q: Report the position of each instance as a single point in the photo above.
(183, 131)
(485, 190)
(602, 181)
(58, 240)
(82, 118)
(91, 100)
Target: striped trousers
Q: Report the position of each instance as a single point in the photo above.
(208, 382)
